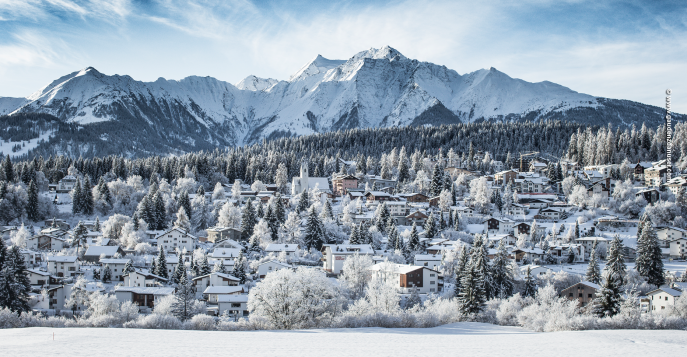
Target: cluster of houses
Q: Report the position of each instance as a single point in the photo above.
(537, 200)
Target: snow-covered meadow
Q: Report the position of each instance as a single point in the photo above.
(465, 338)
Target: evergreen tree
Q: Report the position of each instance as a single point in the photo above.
(279, 209)
(480, 263)
(219, 268)
(607, 301)
(161, 264)
(354, 237)
(272, 222)
(76, 198)
(437, 183)
(179, 270)
(530, 285)
(185, 201)
(248, 221)
(501, 273)
(96, 274)
(15, 285)
(615, 264)
(314, 231)
(8, 169)
(87, 197)
(107, 274)
(240, 268)
(392, 237)
(430, 226)
(79, 236)
(649, 261)
(160, 212)
(260, 213)
(577, 230)
(327, 213)
(183, 299)
(414, 239)
(461, 269)
(472, 295)
(128, 268)
(204, 266)
(32, 204)
(104, 190)
(382, 217)
(593, 272)
(96, 225)
(303, 202)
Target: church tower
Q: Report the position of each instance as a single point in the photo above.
(304, 177)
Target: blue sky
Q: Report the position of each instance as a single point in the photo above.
(618, 49)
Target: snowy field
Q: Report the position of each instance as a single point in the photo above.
(461, 339)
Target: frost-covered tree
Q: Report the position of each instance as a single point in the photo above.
(472, 296)
(501, 273)
(649, 261)
(79, 236)
(229, 216)
(15, 285)
(161, 264)
(355, 274)
(414, 239)
(203, 266)
(593, 273)
(184, 298)
(314, 231)
(182, 220)
(479, 195)
(218, 192)
(19, 237)
(179, 270)
(607, 301)
(430, 227)
(248, 221)
(107, 274)
(615, 263)
(530, 286)
(239, 270)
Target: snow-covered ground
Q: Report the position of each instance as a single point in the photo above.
(464, 339)
(27, 145)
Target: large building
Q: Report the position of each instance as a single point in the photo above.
(305, 182)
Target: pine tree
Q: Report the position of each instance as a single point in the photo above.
(272, 222)
(354, 237)
(179, 270)
(314, 231)
(248, 221)
(414, 239)
(79, 235)
(239, 270)
(8, 169)
(87, 197)
(437, 183)
(219, 268)
(107, 274)
(104, 190)
(185, 201)
(303, 202)
(615, 263)
(204, 266)
(15, 285)
(96, 225)
(472, 295)
(161, 264)
(279, 209)
(593, 272)
(128, 268)
(184, 299)
(76, 198)
(530, 285)
(461, 269)
(160, 212)
(480, 263)
(327, 212)
(96, 274)
(501, 273)
(577, 230)
(32, 204)
(430, 226)
(649, 261)
(607, 301)
(260, 213)
(382, 216)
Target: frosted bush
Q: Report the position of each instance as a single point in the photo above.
(200, 322)
(155, 321)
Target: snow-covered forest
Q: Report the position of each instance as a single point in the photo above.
(492, 241)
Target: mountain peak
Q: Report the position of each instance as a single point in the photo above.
(317, 65)
(386, 52)
(256, 84)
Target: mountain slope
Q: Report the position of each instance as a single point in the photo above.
(374, 88)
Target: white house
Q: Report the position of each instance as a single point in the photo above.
(95, 252)
(212, 293)
(552, 213)
(143, 279)
(236, 305)
(334, 255)
(66, 184)
(661, 298)
(144, 297)
(305, 182)
(175, 238)
(45, 242)
(117, 267)
(62, 266)
(588, 243)
(411, 277)
(670, 233)
(225, 253)
(535, 270)
(270, 266)
(431, 261)
(498, 225)
(38, 278)
(510, 239)
(516, 209)
(213, 279)
(288, 249)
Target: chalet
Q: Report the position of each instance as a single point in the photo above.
(31, 258)
(411, 277)
(414, 197)
(662, 298)
(45, 242)
(334, 255)
(551, 213)
(677, 249)
(562, 251)
(535, 270)
(465, 211)
(95, 252)
(655, 176)
(600, 187)
(638, 170)
(213, 280)
(584, 292)
(432, 261)
(378, 196)
(143, 279)
(397, 208)
(670, 233)
(498, 226)
(535, 202)
(56, 223)
(538, 167)
(225, 253)
(228, 243)
(588, 243)
(270, 266)
(234, 305)
(378, 181)
(527, 254)
(62, 266)
(676, 184)
(505, 177)
(66, 184)
(534, 184)
(515, 209)
(650, 195)
(212, 293)
(216, 234)
(521, 228)
(144, 297)
(509, 239)
(417, 217)
(288, 249)
(176, 238)
(342, 183)
(117, 267)
(39, 279)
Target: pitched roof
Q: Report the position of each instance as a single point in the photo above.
(101, 249)
(62, 258)
(145, 290)
(223, 289)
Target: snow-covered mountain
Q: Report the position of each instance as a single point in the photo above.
(374, 88)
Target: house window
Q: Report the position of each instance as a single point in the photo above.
(589, 296)
(580, 295)
(571, 295)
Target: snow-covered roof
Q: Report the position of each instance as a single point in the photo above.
(233, 298)
(114, 261)
(281, 247)
(222, 275)
(225, 253)
(427, 257)
(669, 291)
(62, 258)
(275, 262)
(145, 290)
(223, 289)
(39, 272)
(344, 249)
(101, 249)
(592, 239)
(590, 284)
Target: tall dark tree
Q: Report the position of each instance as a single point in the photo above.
(32, 204)
(414, 239)
(593, 272)
(314, 231)
(185, 201)
(248, 221)
(431, 226)
(8, 169)
(77, 201)
(615, 264)
(161, 264)
(530, 285)
(501, 273)
(87, 197)
(15, 285)
(607, 301)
